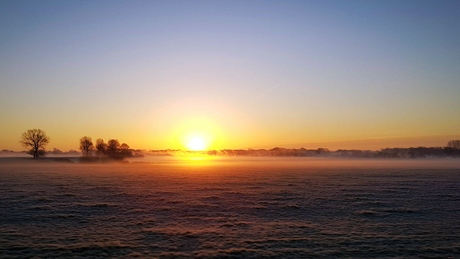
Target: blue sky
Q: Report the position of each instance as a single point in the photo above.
(147, 72)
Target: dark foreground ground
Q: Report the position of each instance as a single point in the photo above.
(284, 208)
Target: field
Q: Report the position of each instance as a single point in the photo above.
(265, 207)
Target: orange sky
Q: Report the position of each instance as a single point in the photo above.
(236, 74)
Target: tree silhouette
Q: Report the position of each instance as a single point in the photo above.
(101, 147)
(124, 146)
(86, 145)
(124, 149)
(36, 139)
(113, 146)
(113, 149)
(454, 144)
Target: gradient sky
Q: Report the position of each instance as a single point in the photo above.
(246, 74)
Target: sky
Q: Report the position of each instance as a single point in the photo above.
(239, 74)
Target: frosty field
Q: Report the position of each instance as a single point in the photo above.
(280, 207)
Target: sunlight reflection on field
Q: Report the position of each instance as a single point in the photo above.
(297, 162)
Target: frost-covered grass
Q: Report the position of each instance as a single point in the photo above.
(230, 208)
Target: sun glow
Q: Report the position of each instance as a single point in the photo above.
(197, 143)
(197, 134)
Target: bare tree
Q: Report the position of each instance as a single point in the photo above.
(101, 147)
(113, 146)
(86, 145)
(113, 149)
(37, 140)
(125, 150)
(454, 144)
(124, 146)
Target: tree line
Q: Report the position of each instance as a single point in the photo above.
(412, 152)
(112, 149)
(36, 140)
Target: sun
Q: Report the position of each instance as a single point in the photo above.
(197, 143)
(197, 134)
